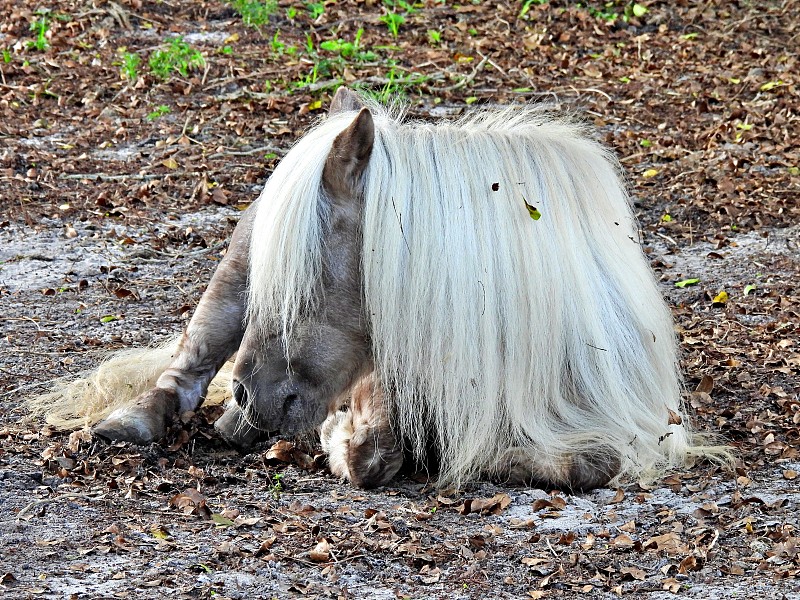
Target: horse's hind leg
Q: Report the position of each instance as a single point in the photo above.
(212, 337)
(360, 443)
(576, 473)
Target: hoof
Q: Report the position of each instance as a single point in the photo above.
(235, 430)
(143, 422)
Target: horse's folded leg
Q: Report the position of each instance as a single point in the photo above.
(575, 473)
(374, 457)
(589, 471)
(367, 456)
(235, 429)
(142, 422)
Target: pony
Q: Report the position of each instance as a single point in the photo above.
(470, 293)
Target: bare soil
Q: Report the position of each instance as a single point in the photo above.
(111, 223)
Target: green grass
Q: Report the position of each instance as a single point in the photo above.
(255, 13)
(349, 50)
(398, 84)
(159, 111)
(315, 10)
(393, 22)
(129, 66)
(40, 26)
(179, 57)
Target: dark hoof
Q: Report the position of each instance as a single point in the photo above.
(236, 431)
(143, 422)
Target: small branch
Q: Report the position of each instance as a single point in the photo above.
(467, 80)
(277, 151)
(666, 237)
(133, 176)
(44, 501)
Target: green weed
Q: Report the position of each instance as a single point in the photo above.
(279, 48)
(349, 50)
(159, 111)
(610, 11)
(40, 26)
(129, 66)
(179, 57)
(406, 7)
(6, 55)
(276, 488)
(434, 37)
(277, 45)
(397, 86)
(315, 10)
(393, 22)
(255, 13)
(526, 6)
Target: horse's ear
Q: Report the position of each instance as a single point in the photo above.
(349, 156)
(345, 100)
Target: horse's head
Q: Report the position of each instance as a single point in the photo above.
(289, 381)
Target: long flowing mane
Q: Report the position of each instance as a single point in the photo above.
(490, 329)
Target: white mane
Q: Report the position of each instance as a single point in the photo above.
(490, 328)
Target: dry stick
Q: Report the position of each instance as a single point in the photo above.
(666, 237)
(491, 62)
(468, 79)
(593, 90)
(44, 501)
(245, 152)
(136, 177)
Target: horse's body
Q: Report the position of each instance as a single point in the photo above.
(397, 268)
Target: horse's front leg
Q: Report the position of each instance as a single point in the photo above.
(212, 337)
(360, 443)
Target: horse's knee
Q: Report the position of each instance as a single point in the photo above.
(143, 422)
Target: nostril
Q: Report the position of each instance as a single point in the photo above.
(289, 401)
(240, 394)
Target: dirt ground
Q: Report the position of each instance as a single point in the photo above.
(118, 191)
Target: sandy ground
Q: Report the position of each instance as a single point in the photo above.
(82, 519)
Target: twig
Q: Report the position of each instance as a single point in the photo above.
(44, 501)
(491, 62)
(133, 176)
(666, 237)
(594, 90)
(466, 80)
(245, 152)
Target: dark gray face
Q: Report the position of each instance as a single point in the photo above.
(292, 394)
(290, 390)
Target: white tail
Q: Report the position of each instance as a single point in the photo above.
(87, 398)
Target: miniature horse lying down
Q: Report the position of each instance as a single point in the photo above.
(470, 289)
